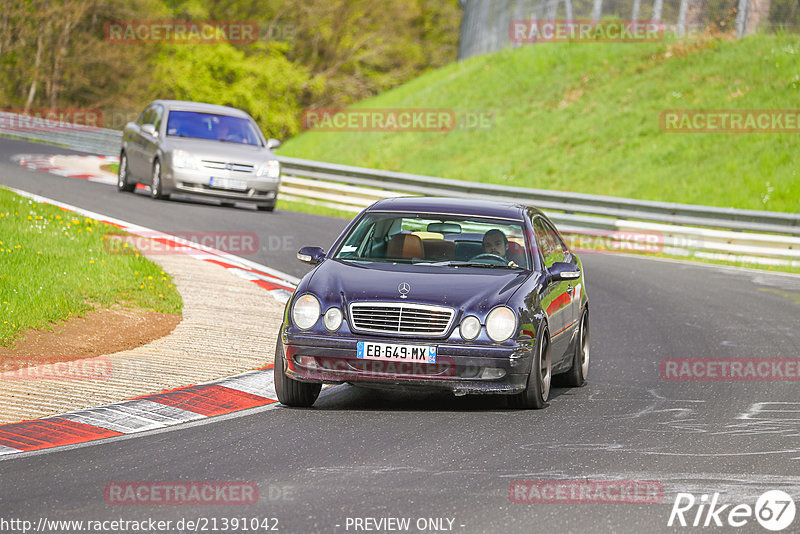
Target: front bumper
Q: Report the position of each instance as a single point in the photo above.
(460, 368)
(257, 189)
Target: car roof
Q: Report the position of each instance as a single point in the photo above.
(184, 105)
(454, 206)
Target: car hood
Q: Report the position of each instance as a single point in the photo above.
(219, 150)
(468, 288)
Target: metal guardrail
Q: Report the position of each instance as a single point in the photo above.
(101, 141)
(569, 203)
(719, 233)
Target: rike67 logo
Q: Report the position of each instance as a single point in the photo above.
(774, 510)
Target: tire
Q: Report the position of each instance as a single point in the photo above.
(576, 377)
(265, 207)
(538, 388)
(156, 186)
(123, 175)
(291, 392)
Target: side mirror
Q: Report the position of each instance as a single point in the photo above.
(311, 255)
(563, 270)
(273, 143)
(149, 129)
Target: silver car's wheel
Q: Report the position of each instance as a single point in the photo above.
(156, 187)
(123, 175)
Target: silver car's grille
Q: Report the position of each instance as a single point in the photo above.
(401, 318)
(224, 165)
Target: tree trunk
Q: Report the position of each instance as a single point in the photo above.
(35, 78)
(658, 7)
(758, 15)
(597, 9)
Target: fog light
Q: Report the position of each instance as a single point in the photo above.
(493, 372)
(306, 361)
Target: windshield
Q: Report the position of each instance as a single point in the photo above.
(446, 240)
(214, 127)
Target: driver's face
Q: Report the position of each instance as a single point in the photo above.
(494, 245)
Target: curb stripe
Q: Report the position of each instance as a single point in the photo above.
(50, 432)
(211, 399)
(258, 383)
(132, 416)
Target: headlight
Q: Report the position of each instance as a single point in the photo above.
(501, 324)
(470, 328)
(183, 160)
(270, 169)
(305, 311)
(333, 319)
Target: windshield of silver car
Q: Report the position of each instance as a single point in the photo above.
(213, 127)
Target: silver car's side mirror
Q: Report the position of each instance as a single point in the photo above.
(149, 129)
(273, 143)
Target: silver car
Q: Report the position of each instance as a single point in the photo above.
(189, 147)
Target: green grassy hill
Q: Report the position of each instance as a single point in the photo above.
(585, 118)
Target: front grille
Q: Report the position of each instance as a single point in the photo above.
(401, 318)
(224, 165)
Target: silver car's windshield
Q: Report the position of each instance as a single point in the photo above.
(224, 128)
(441, 240)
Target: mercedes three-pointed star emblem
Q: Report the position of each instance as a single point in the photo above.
(404, 288)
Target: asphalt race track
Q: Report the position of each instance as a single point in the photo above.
(365, 454)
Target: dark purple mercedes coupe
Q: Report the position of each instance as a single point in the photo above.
(468, 296)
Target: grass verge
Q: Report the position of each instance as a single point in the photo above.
(54, 264)
(585, 117)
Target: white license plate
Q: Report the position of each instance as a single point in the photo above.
(368, 350)
(227, 183)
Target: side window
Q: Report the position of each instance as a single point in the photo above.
(142, 115)
(158, 113)
(550, 246)
(147, 117)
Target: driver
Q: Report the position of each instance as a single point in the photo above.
(495, 242)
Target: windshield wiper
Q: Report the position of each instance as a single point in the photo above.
(474, 264)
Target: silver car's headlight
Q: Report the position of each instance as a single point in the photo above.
(501, 323)
(270, 169)
(333, 319)
(470, 328)
(305, 311)
(183, 160)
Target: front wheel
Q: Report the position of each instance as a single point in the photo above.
(123, 175)
(265, 207)
(576, 376)
(157, 186)
(538, 388)
(292, 392)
